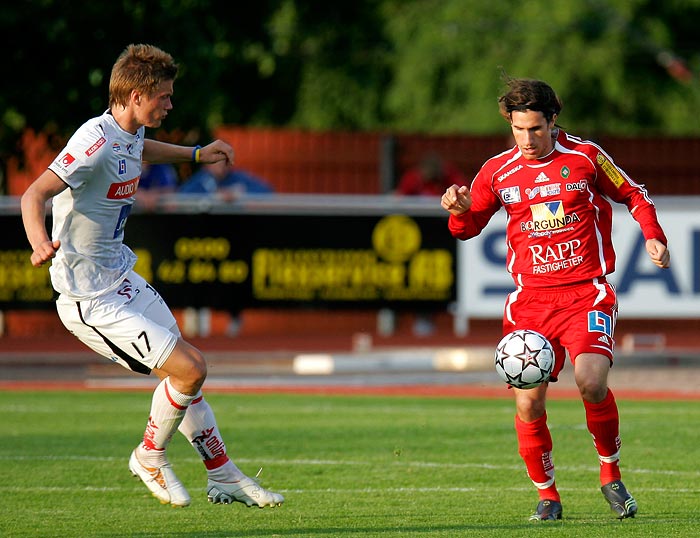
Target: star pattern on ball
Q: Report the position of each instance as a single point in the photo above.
(524, 359)
(529, 356)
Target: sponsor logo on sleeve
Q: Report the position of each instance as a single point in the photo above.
(64, 163)
(610, 170)
(508, 173)
(97, 145)
(66, 160)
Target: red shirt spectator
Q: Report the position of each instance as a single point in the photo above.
(430, 178)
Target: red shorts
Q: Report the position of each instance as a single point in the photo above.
(578, 318)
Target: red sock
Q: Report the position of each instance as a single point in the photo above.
(603, 422)
(535, 448)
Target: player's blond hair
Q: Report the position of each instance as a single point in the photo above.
(142, 68)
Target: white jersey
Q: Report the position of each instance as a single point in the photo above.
(102, 165)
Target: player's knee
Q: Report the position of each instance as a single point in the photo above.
(190, 380)
(187, 368)
(198, 369)
(592, 390)
(530, 410)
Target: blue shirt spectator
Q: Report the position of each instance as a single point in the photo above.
(160, 177)
(213, 178)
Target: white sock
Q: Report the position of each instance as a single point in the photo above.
(201, 430)
(168, 408)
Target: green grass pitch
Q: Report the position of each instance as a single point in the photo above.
(359, 466)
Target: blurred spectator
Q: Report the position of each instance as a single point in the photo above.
(155, 180)
(221, 178)
(158, 177)
(431, 177)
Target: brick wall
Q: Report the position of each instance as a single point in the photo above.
(666, 166)
(306, 162)
(296, 161)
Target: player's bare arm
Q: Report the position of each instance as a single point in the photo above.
(156, 152)
(658, 252)
(457, 199)
(33, 204)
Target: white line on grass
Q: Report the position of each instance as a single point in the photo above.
(340, 491)
(351, 463)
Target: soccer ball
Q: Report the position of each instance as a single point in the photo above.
(524, 359)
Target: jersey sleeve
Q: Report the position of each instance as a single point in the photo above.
(617, 186)
(485, 204)
(76, 162)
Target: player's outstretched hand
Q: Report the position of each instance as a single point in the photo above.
(457, 199)
(44, 252)
(217, 151)
(658, 253)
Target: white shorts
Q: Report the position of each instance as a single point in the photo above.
(131, 325)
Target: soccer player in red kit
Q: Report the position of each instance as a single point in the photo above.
(555, 189)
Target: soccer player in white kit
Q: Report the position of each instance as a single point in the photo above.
(102, 301)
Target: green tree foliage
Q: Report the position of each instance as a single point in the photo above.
(603, 57)
(412, 65)
(61, 55)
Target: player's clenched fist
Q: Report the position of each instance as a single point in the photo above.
(658, 253)
(44, 252)
(456, 199)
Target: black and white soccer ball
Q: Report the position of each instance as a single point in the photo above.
(524, 359)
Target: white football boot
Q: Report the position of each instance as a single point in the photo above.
(161, 481)
(246, 491)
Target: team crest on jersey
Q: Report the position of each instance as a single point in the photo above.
(510, 195)
(548, 216)
(116, 147)
(610, 170)
(565, 172)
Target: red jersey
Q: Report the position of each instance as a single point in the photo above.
(559, 227)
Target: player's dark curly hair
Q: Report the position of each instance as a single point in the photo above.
(139, 67)
(529, 94)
